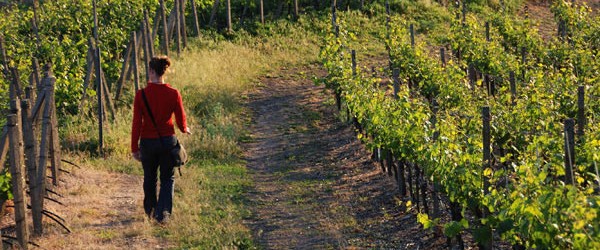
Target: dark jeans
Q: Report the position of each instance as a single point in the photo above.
(154, 156)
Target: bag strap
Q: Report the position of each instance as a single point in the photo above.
(150, 113)
(153, 121)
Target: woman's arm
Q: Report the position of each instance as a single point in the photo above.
(180, 117)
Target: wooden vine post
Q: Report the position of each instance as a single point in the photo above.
(17, 178)
(98, 84)
(353, 56)
(177, 27)
(182, 21)
(354, 73)
(35, 75)
(396, 81)
(464, 12)
(16, 162)
(487, 32)
(487, 155)
(412, 35)
(400, 172)
(30, 161)
(333, 16)
(524, 61)
(213, 13)
(195, 13)
(43, 156)
(134, 62)
(296, 11)
(569, 132)
(148, 36)
(435, 198)
(89, 71)
(165, 41)
(229, 25)
(39, 184)
(3, 144)
(513, 88)
(146, 47)
(54, 139)
(125, 69)
(580, 111)
(443, 56)
(4, 58)
(487, 166)
(262, 12)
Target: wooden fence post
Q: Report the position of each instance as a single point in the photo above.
(17, 180)
(569, 128)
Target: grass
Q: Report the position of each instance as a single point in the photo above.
(212, 75)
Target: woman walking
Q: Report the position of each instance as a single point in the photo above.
(153, 128)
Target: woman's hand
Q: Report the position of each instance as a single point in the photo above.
(137, 155)
(187, 131)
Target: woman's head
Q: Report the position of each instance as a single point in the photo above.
(160, 64)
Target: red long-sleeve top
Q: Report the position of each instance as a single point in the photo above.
(164, 101)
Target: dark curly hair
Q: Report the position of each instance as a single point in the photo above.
(160, 64)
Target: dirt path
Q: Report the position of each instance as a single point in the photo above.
(315, 186)
(103, 210)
